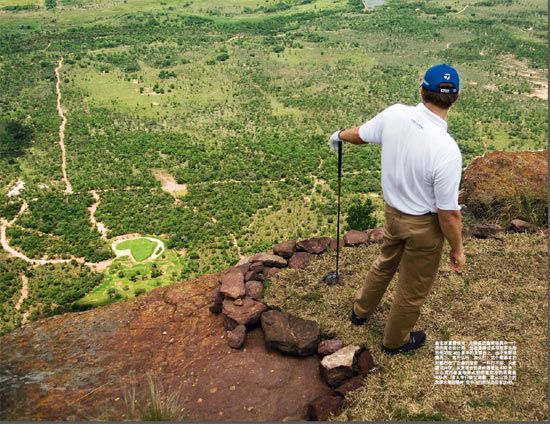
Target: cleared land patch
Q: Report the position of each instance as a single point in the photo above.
(169, 183)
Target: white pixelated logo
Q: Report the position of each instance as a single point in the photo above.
(475, 362)
(447, 76)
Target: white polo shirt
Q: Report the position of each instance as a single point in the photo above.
(421, 162)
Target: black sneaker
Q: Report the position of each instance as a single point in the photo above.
(355, 320)
(416, 340)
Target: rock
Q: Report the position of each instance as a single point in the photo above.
(254, 276)
(217, 299)
(256, 267)
(501, 186)
(236, 337)
(377, 235)
(341, 365)
(254, 289)
(350, 385)
(285, 249)
(271, 272)
(238, 302)
(289, 334)
(243, 268)
(232, 284)
(520, 226)
(328, 347)
(299, 260)
(365, 362)
(333, 244)
(356, 238)
(267, 259)
(321, 408)
(484, 231)
(247, 314)
(315, 245)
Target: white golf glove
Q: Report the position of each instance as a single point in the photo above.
(334, 140)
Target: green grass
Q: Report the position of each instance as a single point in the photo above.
(124, 278)
(141, 248)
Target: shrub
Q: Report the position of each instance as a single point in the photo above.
(360, 215)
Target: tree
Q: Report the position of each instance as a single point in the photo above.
(360, 215)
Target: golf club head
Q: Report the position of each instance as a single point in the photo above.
(331, 278)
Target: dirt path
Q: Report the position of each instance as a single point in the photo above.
(236, 245)
(463, 9)
(24, 295)
(4, 241)
(68, 187)
(100, 226)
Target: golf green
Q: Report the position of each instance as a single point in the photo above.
(141, 248)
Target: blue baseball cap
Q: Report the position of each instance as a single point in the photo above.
(439, 74)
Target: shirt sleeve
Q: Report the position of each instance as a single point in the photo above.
(446, 184)
(371, 131)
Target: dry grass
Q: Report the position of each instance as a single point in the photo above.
(501, 295)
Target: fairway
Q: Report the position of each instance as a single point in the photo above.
(140, 248)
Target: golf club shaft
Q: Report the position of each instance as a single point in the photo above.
(338, 220)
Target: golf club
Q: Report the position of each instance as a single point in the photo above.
(332, 277)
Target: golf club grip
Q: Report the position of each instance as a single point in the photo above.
(340, 159)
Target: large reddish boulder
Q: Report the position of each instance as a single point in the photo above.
(323, 407)
(505, 185)
(350, 385)
(315, 245)
(520, 226)
(285, 249)
(78, 365)
(254, 289)
(356, 238)
(236, 337)
(340, 366)
(328, 347)
(232, 285)
(299, 260)
(365, 362)
(484, 231)
(245, 311)
(290, 334)
(269, 260)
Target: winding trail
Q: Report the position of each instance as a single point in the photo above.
(68, 186)
(24, 295)
(465, 7)
(236, 245)
(100, 226)
(4, 241)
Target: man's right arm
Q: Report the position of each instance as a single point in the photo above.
(450, 222)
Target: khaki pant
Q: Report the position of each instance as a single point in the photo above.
(414, 244)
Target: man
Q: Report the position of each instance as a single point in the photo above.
(421, 171)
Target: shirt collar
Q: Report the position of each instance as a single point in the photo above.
(438, 120)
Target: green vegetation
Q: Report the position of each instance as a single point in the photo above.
(141, 248)
(10, 292)
(360, 215)
(235, 99)
(125, 279)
